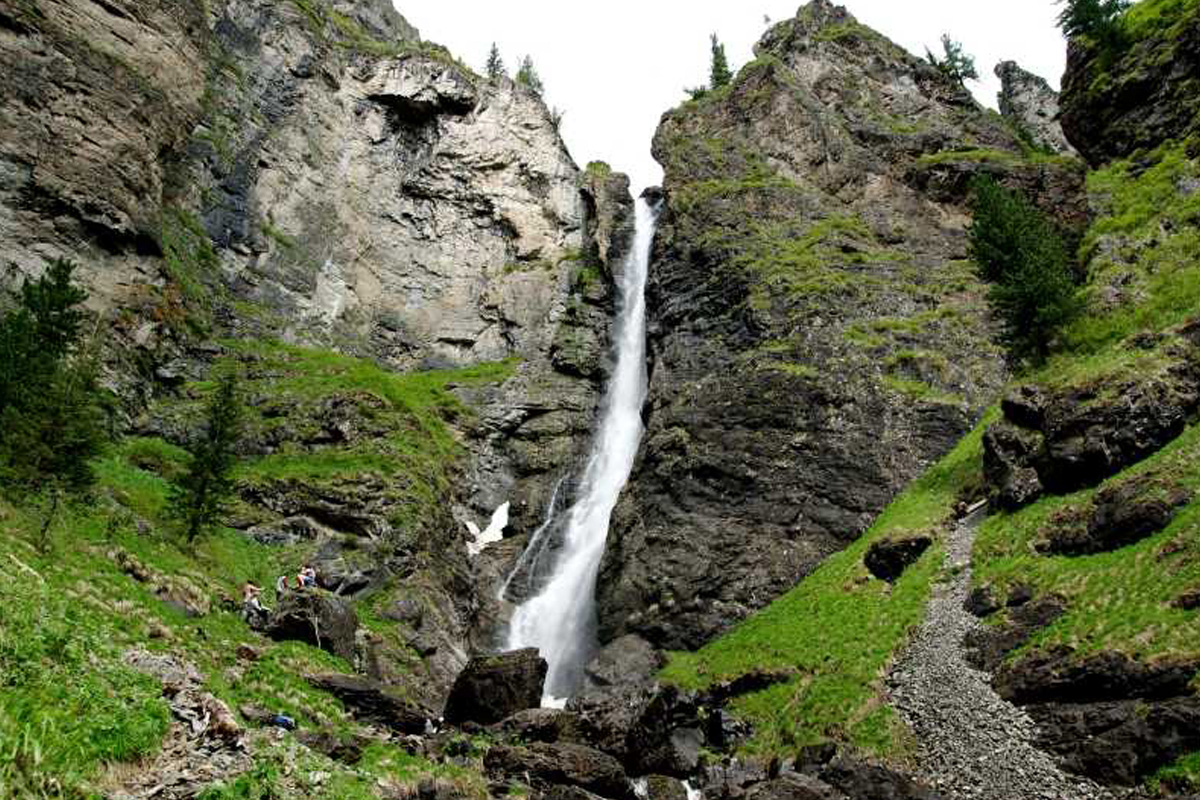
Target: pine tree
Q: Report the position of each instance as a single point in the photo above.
(528, 77)
(1020, 253)
(719, 74)
(495, 64)
(201, 495)
(50, 407)
(956, 64)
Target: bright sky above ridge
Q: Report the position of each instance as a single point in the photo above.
(614, 67)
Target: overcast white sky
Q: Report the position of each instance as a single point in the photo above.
(615, 66)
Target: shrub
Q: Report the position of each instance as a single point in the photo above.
(1020, 252)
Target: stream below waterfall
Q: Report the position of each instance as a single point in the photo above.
(560, 619)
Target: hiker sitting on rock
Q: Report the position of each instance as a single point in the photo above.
(307, 577)
(252, 609)
(281, 586)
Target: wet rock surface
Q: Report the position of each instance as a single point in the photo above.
(493, 687)
(971, 743)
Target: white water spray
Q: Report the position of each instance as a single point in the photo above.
(561, 620)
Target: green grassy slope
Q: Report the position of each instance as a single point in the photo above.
(70, 709)
(839, 628)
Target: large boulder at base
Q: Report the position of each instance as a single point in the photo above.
(491, 688)
(662, 787)
(318, 618)
(372, 701)
(888, 559)
(1058, 675)
(548, 765)
(793, 786)
(860, 780)
(628, 662)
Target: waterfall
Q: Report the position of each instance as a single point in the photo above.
(561, 619)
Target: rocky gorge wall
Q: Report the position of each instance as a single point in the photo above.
(313, 173)
(818, 337)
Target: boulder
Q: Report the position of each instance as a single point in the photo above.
(860, 780)
(318, 618)
(561, 764)
(492, 687)
(540, 725)
(1189, 600)
(988, 645)
(981, 602)
(793, 786)
(627, 661)
(372, 701)
(346, 748)
(887, 559)
(663, 787)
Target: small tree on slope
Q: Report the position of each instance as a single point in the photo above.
(1021, 254)
(201, 495)
(1096, 19)
(528, 77)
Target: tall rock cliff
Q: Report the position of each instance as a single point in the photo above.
(817, 336)
(1032, 105)
(312, 172)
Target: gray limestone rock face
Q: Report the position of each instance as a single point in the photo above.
(818, 337)
(1030, 103)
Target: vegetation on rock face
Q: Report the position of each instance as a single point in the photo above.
(1018, 251)
(1096, 19)
(719, 73)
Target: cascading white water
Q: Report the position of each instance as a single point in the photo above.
(561, 620)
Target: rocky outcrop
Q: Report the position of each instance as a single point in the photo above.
(1120, 514)
(372, 701)
(1137, 91)
(817, 337)
(318, 618)
(493, 687)
(1107, 716)
(1029, 102)
(1068, 438)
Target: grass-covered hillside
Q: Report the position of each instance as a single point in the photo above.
(88, 584)
(839, 628)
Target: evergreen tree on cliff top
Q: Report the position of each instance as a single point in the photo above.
(955, 64)
(719, 73)
(1096, 19)
(528, 77)
(495, 64)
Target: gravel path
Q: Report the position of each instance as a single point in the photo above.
(971, 743)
